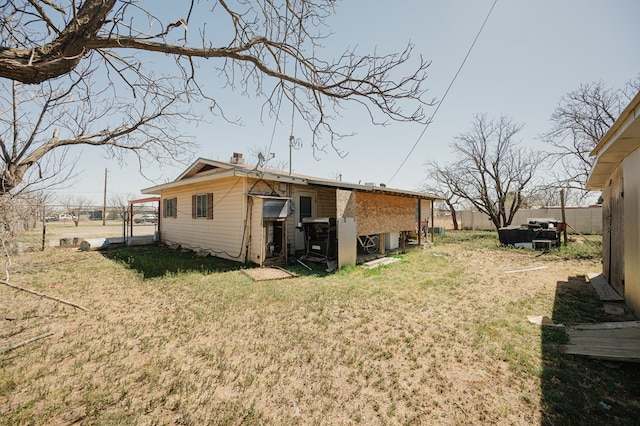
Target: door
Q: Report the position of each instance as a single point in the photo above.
(305, 207)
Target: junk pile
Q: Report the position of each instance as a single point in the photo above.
(542, 234)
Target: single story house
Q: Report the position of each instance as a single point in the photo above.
(616, 172)
(246, 213)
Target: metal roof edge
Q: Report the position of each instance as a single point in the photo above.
(274, 175)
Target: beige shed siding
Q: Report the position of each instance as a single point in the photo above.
(379, 214)
(632, 230)
(616, 255)
(326, 202)
(223, 235)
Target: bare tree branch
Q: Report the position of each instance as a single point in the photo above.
(580, 120)
(491, 172)
(268, 47)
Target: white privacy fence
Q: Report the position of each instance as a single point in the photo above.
(585, 220)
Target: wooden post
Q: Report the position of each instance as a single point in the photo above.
(432, 224)
(104, 201)
(564, 217)
(44, 224)
(419, 221)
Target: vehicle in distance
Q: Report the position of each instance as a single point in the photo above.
(146, 218)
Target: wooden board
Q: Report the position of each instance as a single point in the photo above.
(614, 308)
(608, 341)
(607, 325)
(262, 274)
(602, 287)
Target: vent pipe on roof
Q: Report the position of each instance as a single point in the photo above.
(237, 158)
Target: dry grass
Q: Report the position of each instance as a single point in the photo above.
(438, 338)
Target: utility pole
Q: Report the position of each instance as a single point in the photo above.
(104, 201)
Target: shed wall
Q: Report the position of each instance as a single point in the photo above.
(606, 232)
(616, 256)
(632, 230)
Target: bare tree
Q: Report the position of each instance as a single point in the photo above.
(580, 120)
(437, 182)
(119, 203)
(74, 206)
(43, 121)
(548, 195)
(272, 49)
(492, 172)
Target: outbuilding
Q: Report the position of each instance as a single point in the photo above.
(246, 213)
(616, 172)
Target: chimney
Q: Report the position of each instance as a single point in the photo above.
(237, 158)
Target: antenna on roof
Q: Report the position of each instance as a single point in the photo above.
(293, 144)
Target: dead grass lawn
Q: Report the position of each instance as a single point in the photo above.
(438, 338)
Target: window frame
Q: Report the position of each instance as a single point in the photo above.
(170, 207)
(202, 206)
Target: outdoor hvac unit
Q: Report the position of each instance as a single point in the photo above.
(274, 215)
(320, 238)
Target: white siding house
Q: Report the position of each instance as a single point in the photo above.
(244, 213)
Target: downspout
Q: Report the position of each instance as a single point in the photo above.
(247, 227)
(159, 220)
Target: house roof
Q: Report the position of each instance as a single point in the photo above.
(203, 170)
(621, 140)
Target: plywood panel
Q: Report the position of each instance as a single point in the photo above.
(379, 214)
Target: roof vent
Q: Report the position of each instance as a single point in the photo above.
(237, 158)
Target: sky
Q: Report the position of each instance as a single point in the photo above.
(529, 54)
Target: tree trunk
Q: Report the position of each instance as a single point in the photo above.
(454, 217)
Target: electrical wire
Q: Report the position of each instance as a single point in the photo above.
(445, 93)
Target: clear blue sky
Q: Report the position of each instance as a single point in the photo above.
(528, 56)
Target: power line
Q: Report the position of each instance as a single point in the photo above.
(445, 93)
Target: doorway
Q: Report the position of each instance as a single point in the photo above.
(305, 207)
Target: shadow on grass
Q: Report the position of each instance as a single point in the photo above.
(576, 389)
(159, 261)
